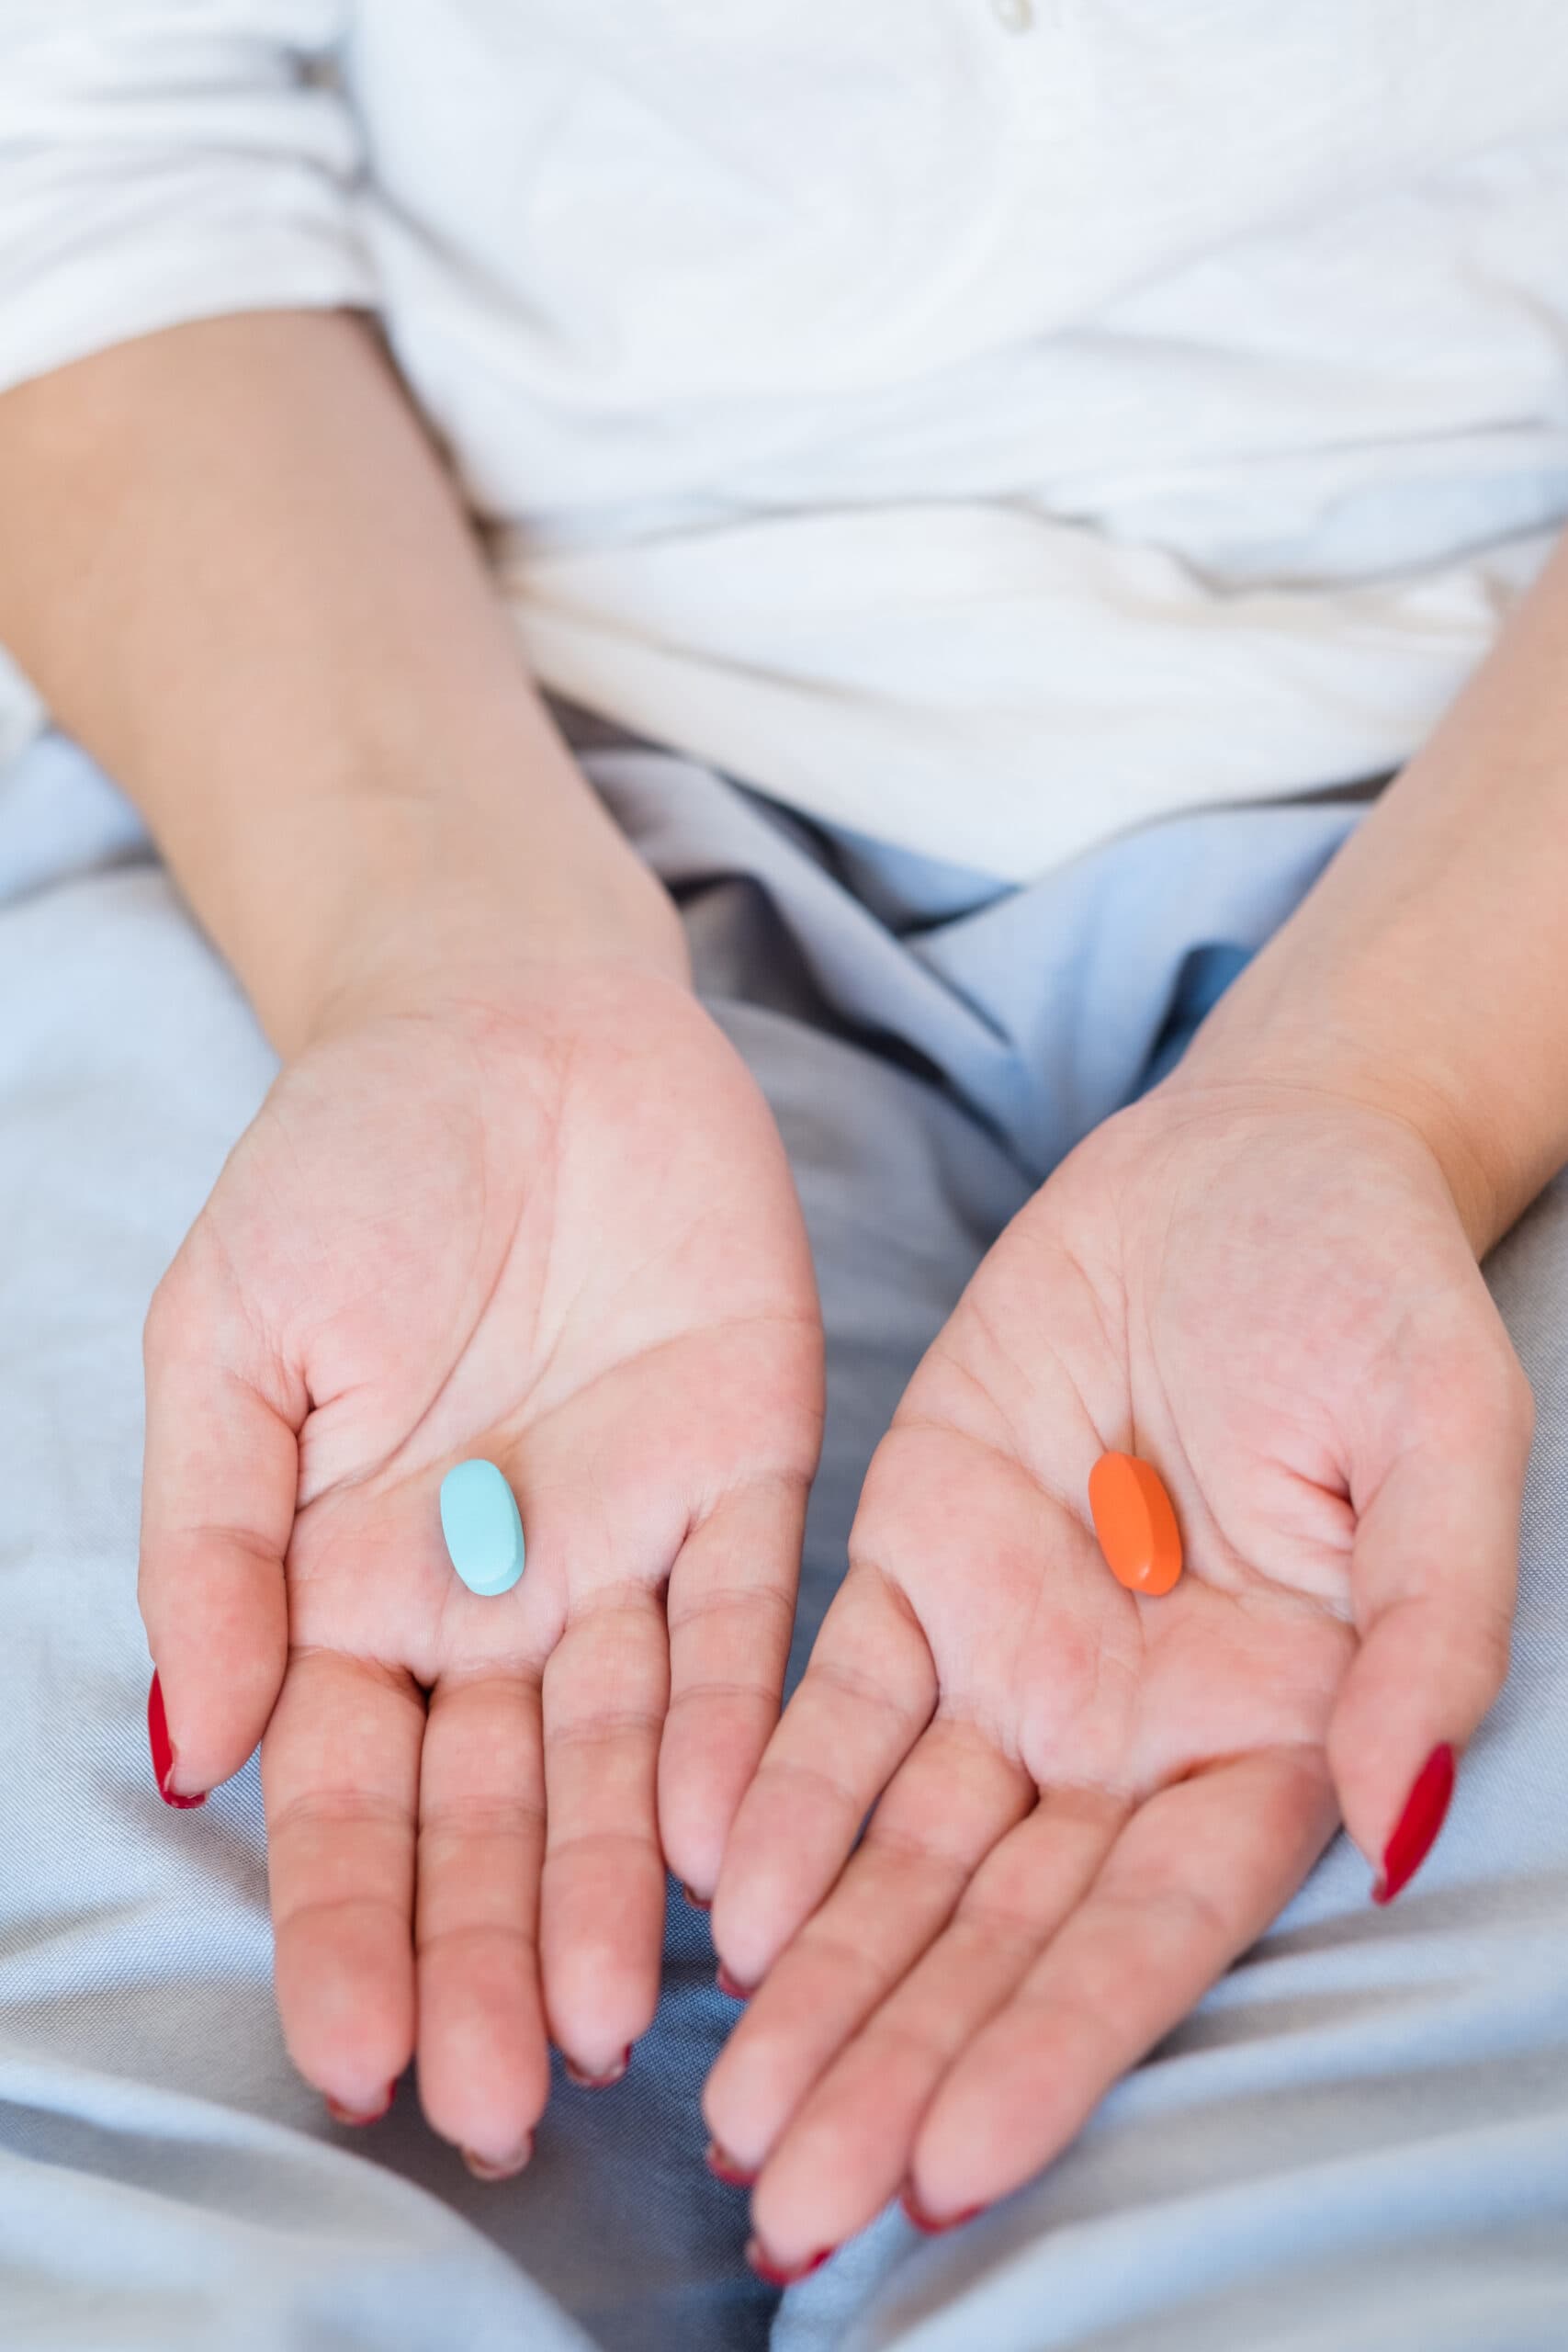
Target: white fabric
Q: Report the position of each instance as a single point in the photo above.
(985, 424)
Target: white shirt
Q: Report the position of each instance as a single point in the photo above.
(986, 422)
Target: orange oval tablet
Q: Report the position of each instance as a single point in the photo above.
(1136, 1524)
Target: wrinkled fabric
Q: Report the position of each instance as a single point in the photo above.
(1359, 2140)
(987, 423)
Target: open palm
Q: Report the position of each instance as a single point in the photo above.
(1090, 1803)
(548, 1223)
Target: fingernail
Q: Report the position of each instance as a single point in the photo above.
(697, 1901)
(163, 1753)
(347, 2115)
(727, 1984)
(927, 2223)
(1418, 1825)
(596, 2082)
(774, 2273)
(507, 2168)
(724, 2167)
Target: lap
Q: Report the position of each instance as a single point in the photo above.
(1371, 2101)
(147, 2106)
(1360, 2139)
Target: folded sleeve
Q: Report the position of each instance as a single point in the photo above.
(160, 163)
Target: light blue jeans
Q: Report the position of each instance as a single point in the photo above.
(1359, 2140)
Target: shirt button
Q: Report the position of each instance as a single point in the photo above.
(1013, 15)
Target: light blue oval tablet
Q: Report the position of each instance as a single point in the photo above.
(483, 1526)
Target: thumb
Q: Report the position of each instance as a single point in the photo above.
(220, 1477)
(1435, 1572)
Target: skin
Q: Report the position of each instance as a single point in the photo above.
(422, 1253)
(1264, 1278)
(1088, 1802)
(512, 1194)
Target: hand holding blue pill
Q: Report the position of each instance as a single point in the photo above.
(483, 1527)
(551, 1222)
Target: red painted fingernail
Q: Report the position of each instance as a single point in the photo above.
(697, 1901)
(727, 1984)
(163, 1753)
(1418, 1825)
(774, 2273)
(347, 2114)
(724, 2167)
(597, 2082)
(926, 2225)
(506, 2169)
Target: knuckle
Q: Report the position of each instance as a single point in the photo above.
(1171, 1916)
(188, 1295)
(1521, 1403)
(1470, 1390)
(1488, 1646)
(1500, 1390)
(316, 1813)
(472, 1941)
(167, 1311)
(725, 1690)
(811, 1782)
(909, 2039)
(458, 1826)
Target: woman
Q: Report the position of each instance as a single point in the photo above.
(970, 501)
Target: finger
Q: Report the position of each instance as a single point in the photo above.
(601, 1924)
(340, 1778)
(847, 2147)
(730, 1609)
(865, 1698)
(484, 2073)
(942, 1812)
(220, 1476)
(1434, 1576)
(1197, 1875)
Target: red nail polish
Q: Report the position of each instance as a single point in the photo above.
(163, 1753)
(727, 1984)
(347, 2114)
(697, 1901)
(774, 2273)
(597, 2082)
(724, 2167)
(926, 2225)
(1416, 1831)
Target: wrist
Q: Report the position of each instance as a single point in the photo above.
(1351, 1042)
(396, 890)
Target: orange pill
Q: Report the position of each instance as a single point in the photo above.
(1136, 1524)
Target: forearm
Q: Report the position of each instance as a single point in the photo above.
(238, 573)
(1427, 971)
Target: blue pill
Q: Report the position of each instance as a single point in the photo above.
(483, 1526)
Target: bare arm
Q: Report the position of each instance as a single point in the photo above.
(240, 576)
(238, 573)
(548, 1222)
(1427, 972)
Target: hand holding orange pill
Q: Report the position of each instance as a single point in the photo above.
(1279, 1280)
(1135, 1524)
